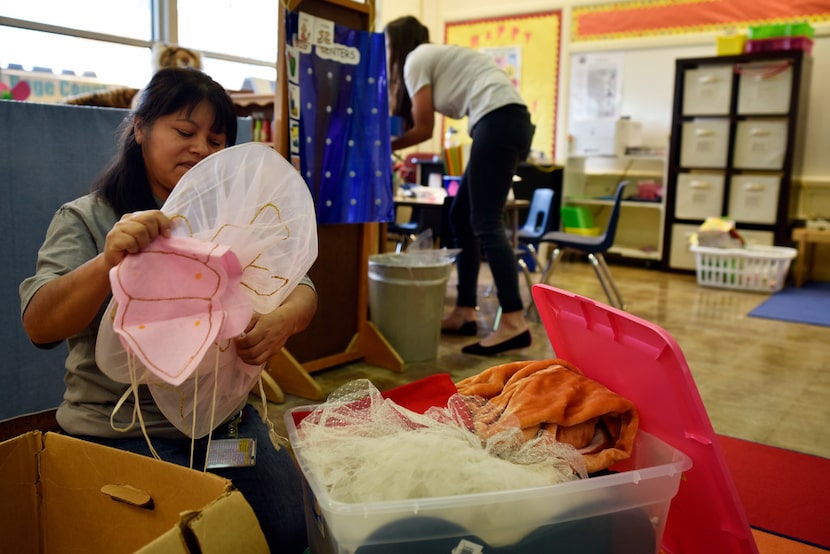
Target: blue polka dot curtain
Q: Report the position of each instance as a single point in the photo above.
(339, 119)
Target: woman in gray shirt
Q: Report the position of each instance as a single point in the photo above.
(183, 117)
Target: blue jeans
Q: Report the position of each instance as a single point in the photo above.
(501, 140)
(273, 487)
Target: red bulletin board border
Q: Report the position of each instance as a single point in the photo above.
(520, 27)
(647, 18)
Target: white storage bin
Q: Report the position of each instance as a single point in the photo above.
(704, 143)
(757, 238)
(680, 257)
(760, 144)
(765, 88)
(707, 91)
(754, 198)
(698, 195)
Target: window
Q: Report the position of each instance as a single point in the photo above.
(126, 18)
(110, 63)
(111, 40)
(233, 35)
(246, 28)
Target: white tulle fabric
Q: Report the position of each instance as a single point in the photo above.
(364, 448)
(247, 198)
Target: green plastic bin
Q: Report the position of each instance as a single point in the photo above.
(780, 30)
(576, 217)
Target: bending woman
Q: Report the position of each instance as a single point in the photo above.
(425, 78)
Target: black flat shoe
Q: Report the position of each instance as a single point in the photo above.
(467, 329)
(522, 340)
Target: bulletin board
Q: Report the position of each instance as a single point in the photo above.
(527, 47)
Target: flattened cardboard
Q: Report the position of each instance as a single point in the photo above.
(51, 500)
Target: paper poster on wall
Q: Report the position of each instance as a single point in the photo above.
(596, 86)
(292, 64)
(293, 101)
(509, 58)
(527, 48)
(294, 134)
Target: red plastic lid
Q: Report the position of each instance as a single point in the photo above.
(643, 363)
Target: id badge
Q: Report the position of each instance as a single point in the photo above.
(239, 452)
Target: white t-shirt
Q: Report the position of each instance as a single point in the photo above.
(464, 82)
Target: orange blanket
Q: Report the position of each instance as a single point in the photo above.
(555, 396)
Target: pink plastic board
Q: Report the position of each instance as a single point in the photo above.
(642, 362)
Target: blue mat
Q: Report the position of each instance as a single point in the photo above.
(807, 304)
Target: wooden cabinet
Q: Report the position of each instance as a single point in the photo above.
(737, 126)
(590, 182)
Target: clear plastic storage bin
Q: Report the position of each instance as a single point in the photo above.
(675, 489)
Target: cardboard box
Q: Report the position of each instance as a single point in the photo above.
(54, 498)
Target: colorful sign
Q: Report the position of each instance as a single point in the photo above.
(649, 18)
(527, 47)
(50, 88)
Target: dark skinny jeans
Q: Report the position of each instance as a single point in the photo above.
(501, 140)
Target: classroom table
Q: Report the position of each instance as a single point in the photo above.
(511, 210)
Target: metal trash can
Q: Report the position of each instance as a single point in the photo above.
(406, 300)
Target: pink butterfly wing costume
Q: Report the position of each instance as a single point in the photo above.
(244, 236)
(170, 323)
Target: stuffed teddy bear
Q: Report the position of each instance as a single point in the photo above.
(163, 55)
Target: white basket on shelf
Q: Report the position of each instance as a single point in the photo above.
(753, 268)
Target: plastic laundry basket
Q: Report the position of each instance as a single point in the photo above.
(406, 300)
(753, 268)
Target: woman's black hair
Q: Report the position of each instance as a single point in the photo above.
(403, 35)
(124, 183)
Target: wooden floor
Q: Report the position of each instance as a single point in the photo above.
(761, 380)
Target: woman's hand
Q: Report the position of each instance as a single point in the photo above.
(267, 333)
(265, 336)
(134, 232)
